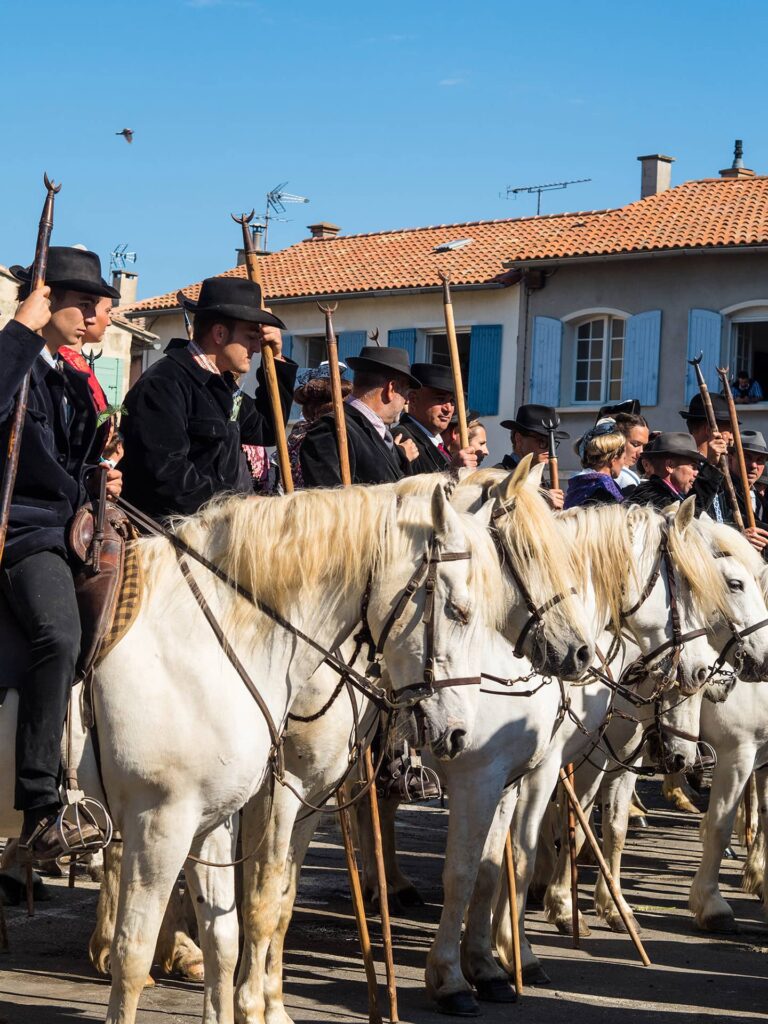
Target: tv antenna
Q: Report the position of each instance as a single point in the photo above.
(276, 200)
(120, 257)
(538, 189)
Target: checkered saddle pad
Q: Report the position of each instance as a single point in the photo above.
(128, 601)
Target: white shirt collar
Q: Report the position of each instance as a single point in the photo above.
(436, 439)
(48, 357)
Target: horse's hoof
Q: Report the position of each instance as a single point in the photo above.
(193, 972)
(409, 897)
(565, 927)
(458, 1004)
(534, 974)
(639, 822)
(725, 924)
(150, 982)
(495, 990)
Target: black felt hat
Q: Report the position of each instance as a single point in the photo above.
(433, 375)
(530, 419)
(235, 297)
(68, 267)
(384, 359)
(674, 442)
(696, 411)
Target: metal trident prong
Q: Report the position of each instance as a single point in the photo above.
(374, 336)
(244, 218)
(329, 309)
(50, 185)
(697, 360)
(723, 370)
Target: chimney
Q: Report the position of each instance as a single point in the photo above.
(656, 175)
(737, 168)
(126, 282)
(324, 230)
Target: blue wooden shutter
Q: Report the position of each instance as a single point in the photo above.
(109, 373)
(287, 345)
(705, 328)
(406, 339)
(546, 354)
(350, 343)
(642, 345)
(485, 369)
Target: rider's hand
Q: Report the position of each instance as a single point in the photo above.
(407, 447)
(556, 497)
(757, 537)
(35, 311)
(716, 447)
(114, 483)
(272, 338)
(466, 457)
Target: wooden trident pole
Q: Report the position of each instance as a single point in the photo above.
(253, 268)
(381, 875)
(453, 349)
(712, 422)
(722, 372)
(37, 280)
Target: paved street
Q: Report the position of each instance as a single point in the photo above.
(47, 979)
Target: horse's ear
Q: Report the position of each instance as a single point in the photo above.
(506, 489)
(484, 513)
(534, 477)
(685, 514)
(443, 516)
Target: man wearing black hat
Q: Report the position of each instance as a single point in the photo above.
(709, 487)
(430, 409)
(378, 451)
(57, 459)
(530, 436)
(185, 418)
(755, 457)
(674, 462)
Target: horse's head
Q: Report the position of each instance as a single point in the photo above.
(736, 582)
(546, 618)
(672, 736)
(438, 589)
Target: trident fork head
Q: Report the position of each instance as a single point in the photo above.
(329, 309)
(53, 189)
(244, 218)
(374, 336)
(697, 360)
(549, 425)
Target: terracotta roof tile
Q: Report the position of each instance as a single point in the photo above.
(712, 212)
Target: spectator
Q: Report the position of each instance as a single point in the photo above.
(635, 430)
(673, 462)
(755, 458)
(601, 451)
(313, 394)
(745, 389)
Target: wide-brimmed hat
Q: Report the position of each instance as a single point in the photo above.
(433, 375)
(321, 373)
(531, 418)
(696, 411)
(234, 297)
(631, 407)
(386, 359)
(753, 441)
(673, 442)
(68, 267)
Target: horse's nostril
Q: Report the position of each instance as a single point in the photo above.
(457, 741)
(701, 674)
(583, 657)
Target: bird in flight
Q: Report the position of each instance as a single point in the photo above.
(127, 133)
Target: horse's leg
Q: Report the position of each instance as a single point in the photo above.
(557, 900)
(267, 827)
(753, 879)
(213, 891)
(477, 962)
(617, 791)
(106, 909)
(176, 951)
(729, 778)
(473, 807)
(533, 804)
(154, 849)
(273, 985)
(402, 891)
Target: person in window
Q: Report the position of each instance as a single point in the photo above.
(673, 462)
(529, 435)
(746, 390)
(601, 451)
(430, 409)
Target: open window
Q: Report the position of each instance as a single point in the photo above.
(749, 346)
(599, 351)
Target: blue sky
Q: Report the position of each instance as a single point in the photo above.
(385, 115)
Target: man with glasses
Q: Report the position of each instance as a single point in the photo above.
(530, 436)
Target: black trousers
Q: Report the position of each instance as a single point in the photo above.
(41, 593)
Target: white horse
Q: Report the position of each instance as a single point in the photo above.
(183, 743)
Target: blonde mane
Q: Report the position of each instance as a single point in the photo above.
(319, 543)
(708, 538)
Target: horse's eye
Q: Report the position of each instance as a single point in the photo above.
(456, 612)
(735, 586)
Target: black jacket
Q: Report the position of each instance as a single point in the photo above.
(431, 459)
(182, 445)
(371, 461)
(709, 484)
(57, 444)
(653, 491)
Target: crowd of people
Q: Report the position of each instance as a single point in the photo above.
(190, 433)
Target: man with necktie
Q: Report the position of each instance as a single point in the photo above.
(430, 410)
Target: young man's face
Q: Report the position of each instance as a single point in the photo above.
(699, 431)
(530, 444)
(72, 315)
(432, 408)
(96, 331)
(637, 439)
(236, 347)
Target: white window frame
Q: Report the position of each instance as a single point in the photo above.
(751, 312)
(303, 340)
(577, 320)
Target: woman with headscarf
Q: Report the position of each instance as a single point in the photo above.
(313, 394)
(601, 451)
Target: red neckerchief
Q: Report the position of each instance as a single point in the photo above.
(78, 362)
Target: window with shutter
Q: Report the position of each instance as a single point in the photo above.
(642, 346)
(705, 329)
(546, 354)
(404, 338)
(350, 343)
(485, 346)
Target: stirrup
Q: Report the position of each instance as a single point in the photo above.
(83, 811)
(706, 756)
